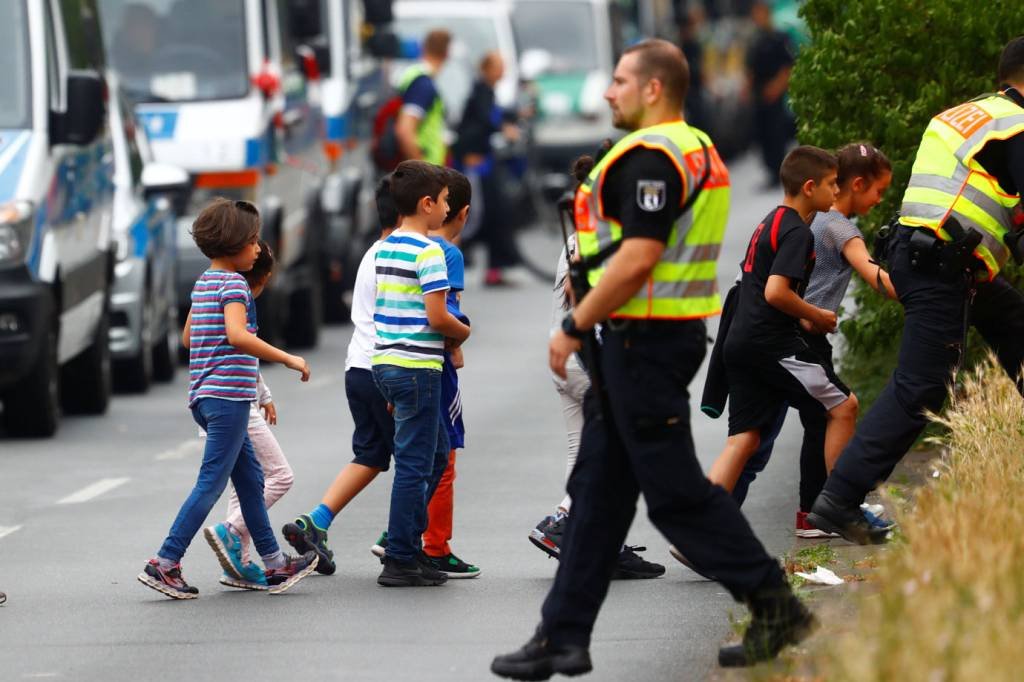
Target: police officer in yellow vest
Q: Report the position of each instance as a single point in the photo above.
(960, 223)
(651, 298)
(420, 123)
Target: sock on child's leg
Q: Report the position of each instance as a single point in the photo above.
(275, 560)
(322, 517)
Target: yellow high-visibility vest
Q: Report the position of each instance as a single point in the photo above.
(684, 284)
(947, 181)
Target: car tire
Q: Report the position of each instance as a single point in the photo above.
(86, 380)
(135, 374)
(305, 316)
(32, 406)
(165, 351)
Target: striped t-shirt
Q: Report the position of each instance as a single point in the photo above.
(216, 368)
(408, 265)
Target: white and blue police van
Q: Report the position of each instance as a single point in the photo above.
(56, 259)
(221, 91)
(144, 328)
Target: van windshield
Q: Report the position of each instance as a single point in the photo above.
(16, 107)
(565, 30)
(177, 50)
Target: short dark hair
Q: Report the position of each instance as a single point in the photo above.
(263, 266)
(412, 180)
(225, 227)
(460, 193)
(805, 163)
(1011, 61)
(387, 213)
(436, 43)
(660, 59)
(861, 160)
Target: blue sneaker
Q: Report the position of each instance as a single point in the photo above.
(253, 578)
(876, 522)
(228, 548)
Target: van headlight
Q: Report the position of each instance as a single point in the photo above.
(15, 230)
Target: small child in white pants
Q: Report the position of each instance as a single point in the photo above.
(277, 473)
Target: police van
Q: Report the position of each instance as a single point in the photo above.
(222, 93)
(55, 199)
(144, 331)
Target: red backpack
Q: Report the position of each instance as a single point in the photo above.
(386, 151)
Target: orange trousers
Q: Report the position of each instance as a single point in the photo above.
(440, 512)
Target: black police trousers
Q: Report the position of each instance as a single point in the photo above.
(645, 445)
(933, 333)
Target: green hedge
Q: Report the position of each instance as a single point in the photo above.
(878, 70)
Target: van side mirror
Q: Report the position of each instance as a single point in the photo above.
(86, 110)
(163, 179)
(304, 20)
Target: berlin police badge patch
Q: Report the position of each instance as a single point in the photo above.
(650, 195)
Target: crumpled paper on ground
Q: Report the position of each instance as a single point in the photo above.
(821, 576)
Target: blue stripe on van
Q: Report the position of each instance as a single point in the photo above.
(159, 124)
(13, 151)
(336, 127)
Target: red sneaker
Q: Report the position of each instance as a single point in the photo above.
(805, 529)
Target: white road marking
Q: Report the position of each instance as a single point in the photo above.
(184, 449)
(89, 492)
(7, 530)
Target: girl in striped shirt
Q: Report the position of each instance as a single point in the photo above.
(223, 369)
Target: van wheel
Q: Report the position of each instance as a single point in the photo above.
(165, 354)
(85, 381)
(135, 374)
(32, 407)
(305, 316)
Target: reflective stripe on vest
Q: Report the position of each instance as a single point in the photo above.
(430, 131)
(946, 181)
(684, 284)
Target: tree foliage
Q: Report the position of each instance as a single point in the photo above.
(879, 70)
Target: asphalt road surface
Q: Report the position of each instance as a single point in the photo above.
(81, 513)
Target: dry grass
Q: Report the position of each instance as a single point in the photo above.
(951, 603)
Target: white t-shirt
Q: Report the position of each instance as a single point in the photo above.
(364, 296)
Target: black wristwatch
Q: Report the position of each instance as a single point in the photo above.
(570, 328)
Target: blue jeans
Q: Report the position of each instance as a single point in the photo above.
(228, 453)
(421, 453)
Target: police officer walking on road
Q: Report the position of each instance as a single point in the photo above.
(960, 223)
(658, 203)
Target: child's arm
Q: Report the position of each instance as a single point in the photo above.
(247, 342)
(442, 320)
(458, 361)
(779, 294)
(855, 251)
(186, 333)
(265, 400)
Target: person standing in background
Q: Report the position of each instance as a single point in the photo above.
(769, 65)
(474, 154)
(420, 124)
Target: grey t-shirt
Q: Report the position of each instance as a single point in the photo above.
(831, 275)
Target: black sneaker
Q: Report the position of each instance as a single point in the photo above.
(778, 620)
(632, 566)
(452, 566)
(304, 536)
(168, 582)
(831, 514)
(538, 659)
(295, 569)
(405, 575)
(547, 536)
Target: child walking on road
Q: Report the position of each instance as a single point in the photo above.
(414, 328)
(223, 366)
(767, 360)
(374, 436)
(277, 473)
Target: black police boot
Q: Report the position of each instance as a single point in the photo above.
(778, 619)
(831, 514)
(539, 659)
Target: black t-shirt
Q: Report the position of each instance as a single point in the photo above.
(644, 193)
(781, 245)
(770, 53)
(1004, 159)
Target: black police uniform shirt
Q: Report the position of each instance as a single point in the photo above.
(644, 193)
(782, 244)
